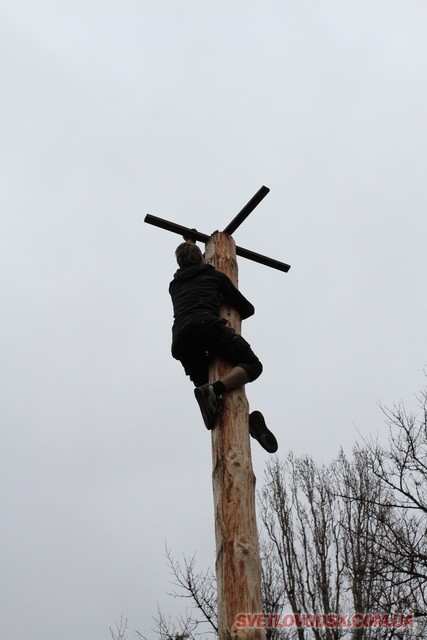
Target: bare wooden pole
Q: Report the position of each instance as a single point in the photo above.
(238, 564)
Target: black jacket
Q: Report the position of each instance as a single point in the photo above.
(202, 289)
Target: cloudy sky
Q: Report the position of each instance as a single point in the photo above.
(183, 109)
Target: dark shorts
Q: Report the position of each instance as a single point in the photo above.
(202, 340)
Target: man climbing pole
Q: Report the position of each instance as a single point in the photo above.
(199, 336)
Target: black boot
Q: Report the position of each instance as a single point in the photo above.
(209, 404)
(258, 430)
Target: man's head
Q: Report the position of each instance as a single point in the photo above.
(188, 254)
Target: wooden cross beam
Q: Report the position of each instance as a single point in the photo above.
(238, 564)
(192, 234)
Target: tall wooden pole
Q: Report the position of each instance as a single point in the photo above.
(238, 564)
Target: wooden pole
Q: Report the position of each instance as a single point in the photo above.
(238, 564)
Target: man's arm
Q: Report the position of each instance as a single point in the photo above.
(233, 296)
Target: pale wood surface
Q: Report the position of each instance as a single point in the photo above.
(238, 565)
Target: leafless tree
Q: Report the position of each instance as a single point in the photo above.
(297, 512)
(323, 529)
(364, 508)
(401, 467)
(120, 631)
(349, 537)
(197, 587)
(327, 526)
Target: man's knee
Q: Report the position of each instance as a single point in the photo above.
(254, 369)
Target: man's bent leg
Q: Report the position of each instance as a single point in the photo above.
(246, 368)
(235, 378)
(207, 395)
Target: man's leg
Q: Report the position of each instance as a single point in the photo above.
(223, 342)
(208, 395)
(234, 379)
(246, 368)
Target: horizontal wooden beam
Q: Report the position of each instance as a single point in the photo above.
(193, 234)
(257, 257)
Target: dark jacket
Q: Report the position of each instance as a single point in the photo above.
(202, 289)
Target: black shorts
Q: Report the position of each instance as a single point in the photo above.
(202, 340)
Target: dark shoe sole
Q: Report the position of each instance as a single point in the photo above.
(258, 430)
(208, 418)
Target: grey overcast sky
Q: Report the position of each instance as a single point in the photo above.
(111, 110)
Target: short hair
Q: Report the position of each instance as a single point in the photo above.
(188, 254)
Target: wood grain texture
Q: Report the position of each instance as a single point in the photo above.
(238, 565)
